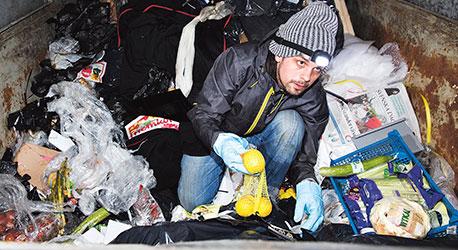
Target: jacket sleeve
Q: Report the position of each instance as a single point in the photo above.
(315, 114)
(215, 97)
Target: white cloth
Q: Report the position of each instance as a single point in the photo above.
(186, 50)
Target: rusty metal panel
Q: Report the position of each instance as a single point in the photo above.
(12, 10)
(429, 43)
(448, 8)
(22, 47)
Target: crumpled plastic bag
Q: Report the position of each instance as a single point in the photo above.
(101, 169)
(442, 173)
(62, 52)
(18, 208)
(333, 210)
(364, 63)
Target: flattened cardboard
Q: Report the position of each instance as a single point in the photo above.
(33, 160)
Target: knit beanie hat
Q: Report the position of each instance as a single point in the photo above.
(314, 28)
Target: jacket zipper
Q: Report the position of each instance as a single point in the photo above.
(278, 104)
(261, 110)
(253, 84)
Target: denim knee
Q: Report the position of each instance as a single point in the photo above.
(199, 182)
(289, 126)
(188, 201)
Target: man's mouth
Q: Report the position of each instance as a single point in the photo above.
(299, 85)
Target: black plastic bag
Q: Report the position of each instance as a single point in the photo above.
(34, 116)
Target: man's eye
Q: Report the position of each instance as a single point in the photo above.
(301, 63)
(318, 69)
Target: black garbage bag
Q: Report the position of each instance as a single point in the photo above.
(150, 32)
(162, 149)
(257, 27)
(35, 117)
(7, 166)
(49, 76)
(158, 81)
(264, 7)
(108, 90)
(215, 229)
(88, 21)
(167, 200)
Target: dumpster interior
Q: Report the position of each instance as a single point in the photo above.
(95, 120)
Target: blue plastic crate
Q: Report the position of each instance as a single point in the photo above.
(391, 145)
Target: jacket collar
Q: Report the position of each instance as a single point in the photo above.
(263, 51)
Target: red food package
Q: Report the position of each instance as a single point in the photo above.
(47, 227)
(146, 210)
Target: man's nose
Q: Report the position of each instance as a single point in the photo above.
(306, 74)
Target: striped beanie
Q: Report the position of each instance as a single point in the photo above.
(314, 28)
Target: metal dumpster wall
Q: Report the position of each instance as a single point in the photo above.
(22, 47)
(429, 43)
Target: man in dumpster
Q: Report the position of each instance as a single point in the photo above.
(269, 95)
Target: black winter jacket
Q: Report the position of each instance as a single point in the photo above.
(240, 97)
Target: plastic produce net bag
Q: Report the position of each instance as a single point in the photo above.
(254, 196)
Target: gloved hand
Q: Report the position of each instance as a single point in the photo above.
(310, 201)
(229, 147)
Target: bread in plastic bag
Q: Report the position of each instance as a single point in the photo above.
(400, 217)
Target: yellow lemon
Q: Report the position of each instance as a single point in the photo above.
(245, 205)
(253, 161)
(265, 207)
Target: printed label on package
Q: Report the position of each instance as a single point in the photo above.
(143, 124)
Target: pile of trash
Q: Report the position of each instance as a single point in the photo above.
(97, 154)
(74, 164)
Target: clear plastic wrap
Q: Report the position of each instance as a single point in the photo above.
(361, 61)
(146, 209)
(16, 220)
(248, 7)
(62, 52)
(400, 217)
(333, 209)
(100, 168)
(442, 173)
(37, 138)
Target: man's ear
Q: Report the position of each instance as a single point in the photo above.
(278, 59)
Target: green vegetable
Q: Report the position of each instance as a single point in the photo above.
(382, 171)
(92, 220)
(347, 169)
(394, 186)
(378, 172)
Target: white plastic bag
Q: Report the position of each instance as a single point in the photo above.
(100, 168)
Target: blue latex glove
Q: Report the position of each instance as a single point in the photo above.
(229, 147)
(309, 201)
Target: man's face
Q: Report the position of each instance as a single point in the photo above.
(296, 74)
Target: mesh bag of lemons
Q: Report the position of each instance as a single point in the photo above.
(253, 198)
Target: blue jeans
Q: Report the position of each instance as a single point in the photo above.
(279, 143)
